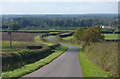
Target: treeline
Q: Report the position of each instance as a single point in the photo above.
(47, 21)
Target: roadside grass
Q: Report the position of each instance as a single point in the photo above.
(34, 66)
(112, 36)
(64, 33)
(38, 40)
(53, 32)
(89, 69)
(68, 38)
(104, 55)
(51, 42)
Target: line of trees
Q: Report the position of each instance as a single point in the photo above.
(30, 21)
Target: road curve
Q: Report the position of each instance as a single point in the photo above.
(66, 65)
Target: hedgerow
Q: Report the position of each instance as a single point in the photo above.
(14, 60)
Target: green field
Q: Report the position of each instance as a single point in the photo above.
(6, 44)
(112, 36)
(17, 46)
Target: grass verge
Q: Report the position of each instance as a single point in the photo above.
(88, 68)
(38, 40)
(34, 66)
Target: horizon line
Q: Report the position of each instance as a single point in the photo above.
(57, 14)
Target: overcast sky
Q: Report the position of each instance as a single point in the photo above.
(58, 6)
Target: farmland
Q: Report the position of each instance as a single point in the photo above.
(112, 36)
(20, 55)
(34, 39)
(20, 36)
(59, 39)
(20, 41)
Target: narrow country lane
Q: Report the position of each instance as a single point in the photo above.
(66, 65)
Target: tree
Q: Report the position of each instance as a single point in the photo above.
(89, 35)
(79, 33)
(92, 35)
(13, 26)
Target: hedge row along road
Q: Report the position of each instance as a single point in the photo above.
(66, 65)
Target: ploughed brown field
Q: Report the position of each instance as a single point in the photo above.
(19, 36)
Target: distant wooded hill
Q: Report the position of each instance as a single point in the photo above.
(49, 21)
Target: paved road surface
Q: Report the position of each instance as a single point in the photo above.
(66, 65)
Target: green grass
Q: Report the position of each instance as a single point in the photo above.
(53, 32)
(89, 69)
(7, 43)
(16, 46)
(42, 30)
(64, 33)
(111, 36)
(34, 66)
(68, 38)
(117, 30)
(104, 55)
(38, 40)
(107, 30)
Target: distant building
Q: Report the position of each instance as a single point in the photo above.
(102, 26)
